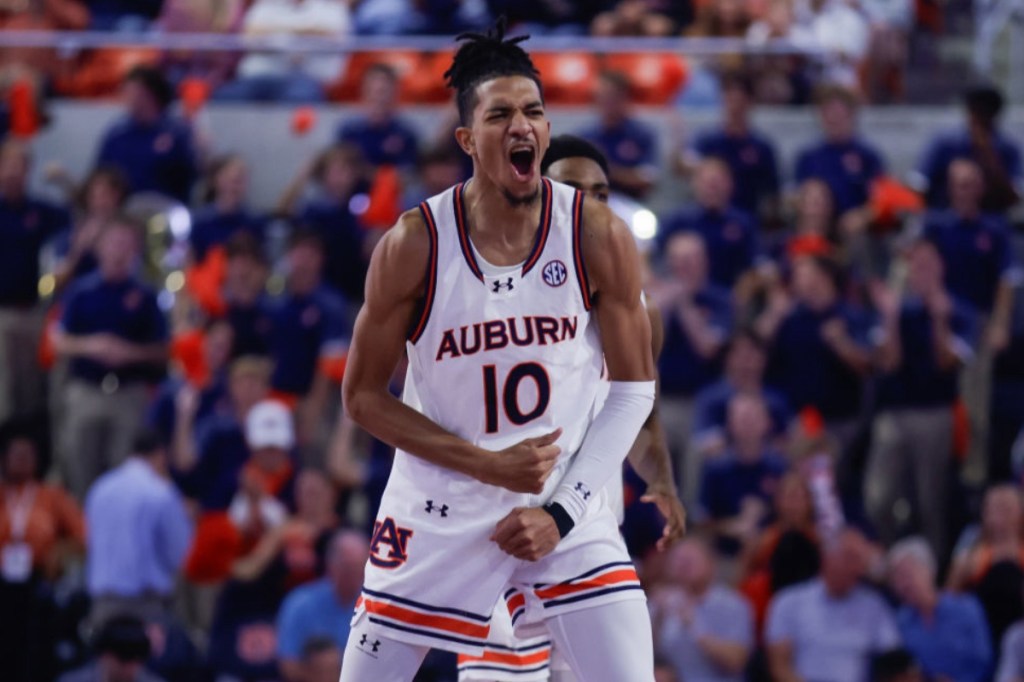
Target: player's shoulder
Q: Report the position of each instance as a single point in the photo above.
(400, 259)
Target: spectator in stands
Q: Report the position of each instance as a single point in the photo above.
(438, 168)
(435, 17)
(780, 79)
(890, 22)
(827, 628)
(122, 647)
(697, 319)
(749, 155)
(27, 223)
(990, 561)
(99, 200)
(289, 77)
(339, 176)
(538, 17)
(737, 487)
(982, 268)
(627, 143)
(819, 348)
(41, 527)
(924, 337)
(721, 19)
(321, 660)
(650, 18)
(996, 155)
(139, 532)
(745, 361)
(1007, 398)
(212, 69)
(115, 336)
(729, 234)
(323, 608)
(224, 213)
(380, 134)
(842, 31)
(206, 375)
(245, 297)
(34, 68)
(123, 15)
(847, 163)
(813, 226)
(704, 629)
(1011, 659)
(310, 329)
(154, 150)
(945, 632)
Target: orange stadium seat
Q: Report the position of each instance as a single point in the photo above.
(655, 78)
(99, 72)
(407, 63)
(429, 85)
(568, 77)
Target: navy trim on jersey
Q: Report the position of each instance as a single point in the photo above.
(463, 229)
(577, 248)
(590, 595)
(517, 649)
(431, 288)
(476, 643)
(544, 228)
(510, 670)
(427, 607)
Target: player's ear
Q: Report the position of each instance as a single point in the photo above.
(464, 136)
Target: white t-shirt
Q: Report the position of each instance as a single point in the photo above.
(290, 18)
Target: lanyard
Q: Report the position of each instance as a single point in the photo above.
(19, 506)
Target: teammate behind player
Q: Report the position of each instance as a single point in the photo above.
(508, 309)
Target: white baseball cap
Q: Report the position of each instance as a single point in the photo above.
(269, 425)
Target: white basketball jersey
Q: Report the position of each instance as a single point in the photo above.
(498, 358)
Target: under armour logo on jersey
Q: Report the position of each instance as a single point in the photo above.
(374, 645)
(555, 273)
(583, 490)
(443, 509)
(497, 285)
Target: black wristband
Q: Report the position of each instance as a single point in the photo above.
(563, 521)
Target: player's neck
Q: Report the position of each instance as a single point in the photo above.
(496, 222)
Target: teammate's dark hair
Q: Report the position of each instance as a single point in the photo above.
(483, 57)
(569, 146)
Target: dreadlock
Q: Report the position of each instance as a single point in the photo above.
(482, 57)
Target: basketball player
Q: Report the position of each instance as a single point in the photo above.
(576, 162)
(509, 293)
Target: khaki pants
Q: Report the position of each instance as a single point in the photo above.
(976, 389)
(908, 471)
(98, 430)
(22, 380)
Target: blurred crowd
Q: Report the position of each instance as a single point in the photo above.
(854, 43)
(842, 390)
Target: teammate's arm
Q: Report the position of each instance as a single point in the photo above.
(613, 265)
(394, 285)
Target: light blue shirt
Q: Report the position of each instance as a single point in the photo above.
(954, 644)
(833, 639)
(1011, 665)
(723, 615)
(312, 611)
(138, 532)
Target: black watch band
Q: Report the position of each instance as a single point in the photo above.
(563, 521)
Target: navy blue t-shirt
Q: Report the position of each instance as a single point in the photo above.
(727, 481)
(253, 327)
(158, 158)
(919, 382)
(730, 238)
(847, 168)
(751, 158)
(807, 370)
(163, 414)
(957, 144)
(393, 144)
(711, 407)
(305, 329)
(212, 228)
(127, 309)
(682, 372)
(978, 254)
(344, 266)
(24, 228)
(630, 144)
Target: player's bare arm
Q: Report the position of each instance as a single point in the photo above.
(394, 287)
(613, 267)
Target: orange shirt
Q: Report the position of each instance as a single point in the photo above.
(52, 516)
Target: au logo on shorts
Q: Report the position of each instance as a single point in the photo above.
(554, 273)
(389, 547)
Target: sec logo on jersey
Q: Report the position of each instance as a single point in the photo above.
(555, 273)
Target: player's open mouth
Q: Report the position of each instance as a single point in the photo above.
(522, 162)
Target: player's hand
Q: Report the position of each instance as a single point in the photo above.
(525, 466)
(672, 509)
(527, 533)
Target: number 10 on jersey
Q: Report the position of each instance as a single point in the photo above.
(506, 390)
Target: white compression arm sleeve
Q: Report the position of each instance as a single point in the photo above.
(606, 445)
